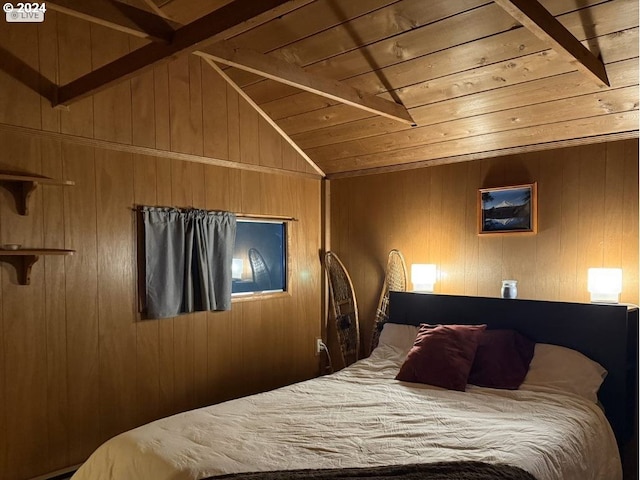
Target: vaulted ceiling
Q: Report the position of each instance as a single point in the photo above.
(392, 84)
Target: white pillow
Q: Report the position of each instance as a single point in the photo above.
(398, 336)
(564, 369)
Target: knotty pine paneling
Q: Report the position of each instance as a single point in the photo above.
(77, 363)
(425, 52)
(492, 83)
(588, 217)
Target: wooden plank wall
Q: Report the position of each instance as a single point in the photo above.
(77, 365)
(588, 217)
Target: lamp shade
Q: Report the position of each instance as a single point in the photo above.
(604, 284)
(423, 276)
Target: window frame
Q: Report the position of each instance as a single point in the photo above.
(269, 294)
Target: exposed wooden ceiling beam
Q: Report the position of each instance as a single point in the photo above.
(153, 6)
(292, 75)
(263, 114)
(118, 16)
(230, 20)
(543, 25)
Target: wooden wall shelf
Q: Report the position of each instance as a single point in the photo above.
(27, 185)
(23, 260)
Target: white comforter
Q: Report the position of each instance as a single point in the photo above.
(361, 416)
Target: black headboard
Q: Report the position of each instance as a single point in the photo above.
(604, 333)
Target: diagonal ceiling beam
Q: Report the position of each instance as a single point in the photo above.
(117, 16)
(157, 10)
(543, 25)
(229, 20)
(289, 74)
(264, 115)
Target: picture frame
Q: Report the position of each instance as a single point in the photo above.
(508, 210)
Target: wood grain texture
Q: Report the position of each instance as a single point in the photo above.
(569, 238)
(232, 18)
(270, 145)
(460, 67)
(316, 17)
(78, 361)
(400, 62)
(249, 139)
(591, 222)
(571, 84)
(186, 11)
(474, 38)
(283, 72)
(53, 214)
(159, 109)
(614, 197)
(81, 292)
(143, 129)
(18, 88)
(430, 215)
(214, 120)
(120, 17)
(24, 327)
(398, 18)
(74, 59)
(162, 107)
(148, 400)
(529, 136)
(112, 107)
(630, 221)
(312, 166)
(100, 367)
(181, 113)
(116, 289)
(166, 356)
(134, 370)
(606, 102)
(233, 123)
(471, 60)
(548, 241)
(50, 71)
(543, 25)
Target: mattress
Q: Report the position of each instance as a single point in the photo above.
(362, 416)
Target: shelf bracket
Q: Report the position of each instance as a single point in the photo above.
(27, 189)
(21, 191)
(27, 263)
(22, 264)
(23, 186)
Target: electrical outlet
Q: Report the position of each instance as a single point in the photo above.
(318, 346)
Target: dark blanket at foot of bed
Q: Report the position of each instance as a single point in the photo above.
(428, 471)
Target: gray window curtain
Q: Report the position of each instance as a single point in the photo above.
(188, 260)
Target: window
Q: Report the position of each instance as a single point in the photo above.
(259, 257)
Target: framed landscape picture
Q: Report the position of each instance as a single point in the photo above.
(509, 210)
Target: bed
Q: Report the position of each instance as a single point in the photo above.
(363, 418)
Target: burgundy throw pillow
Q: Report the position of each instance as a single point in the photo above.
(502, 359)
(442, 355)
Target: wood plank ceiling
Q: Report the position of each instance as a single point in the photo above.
(473, 79)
